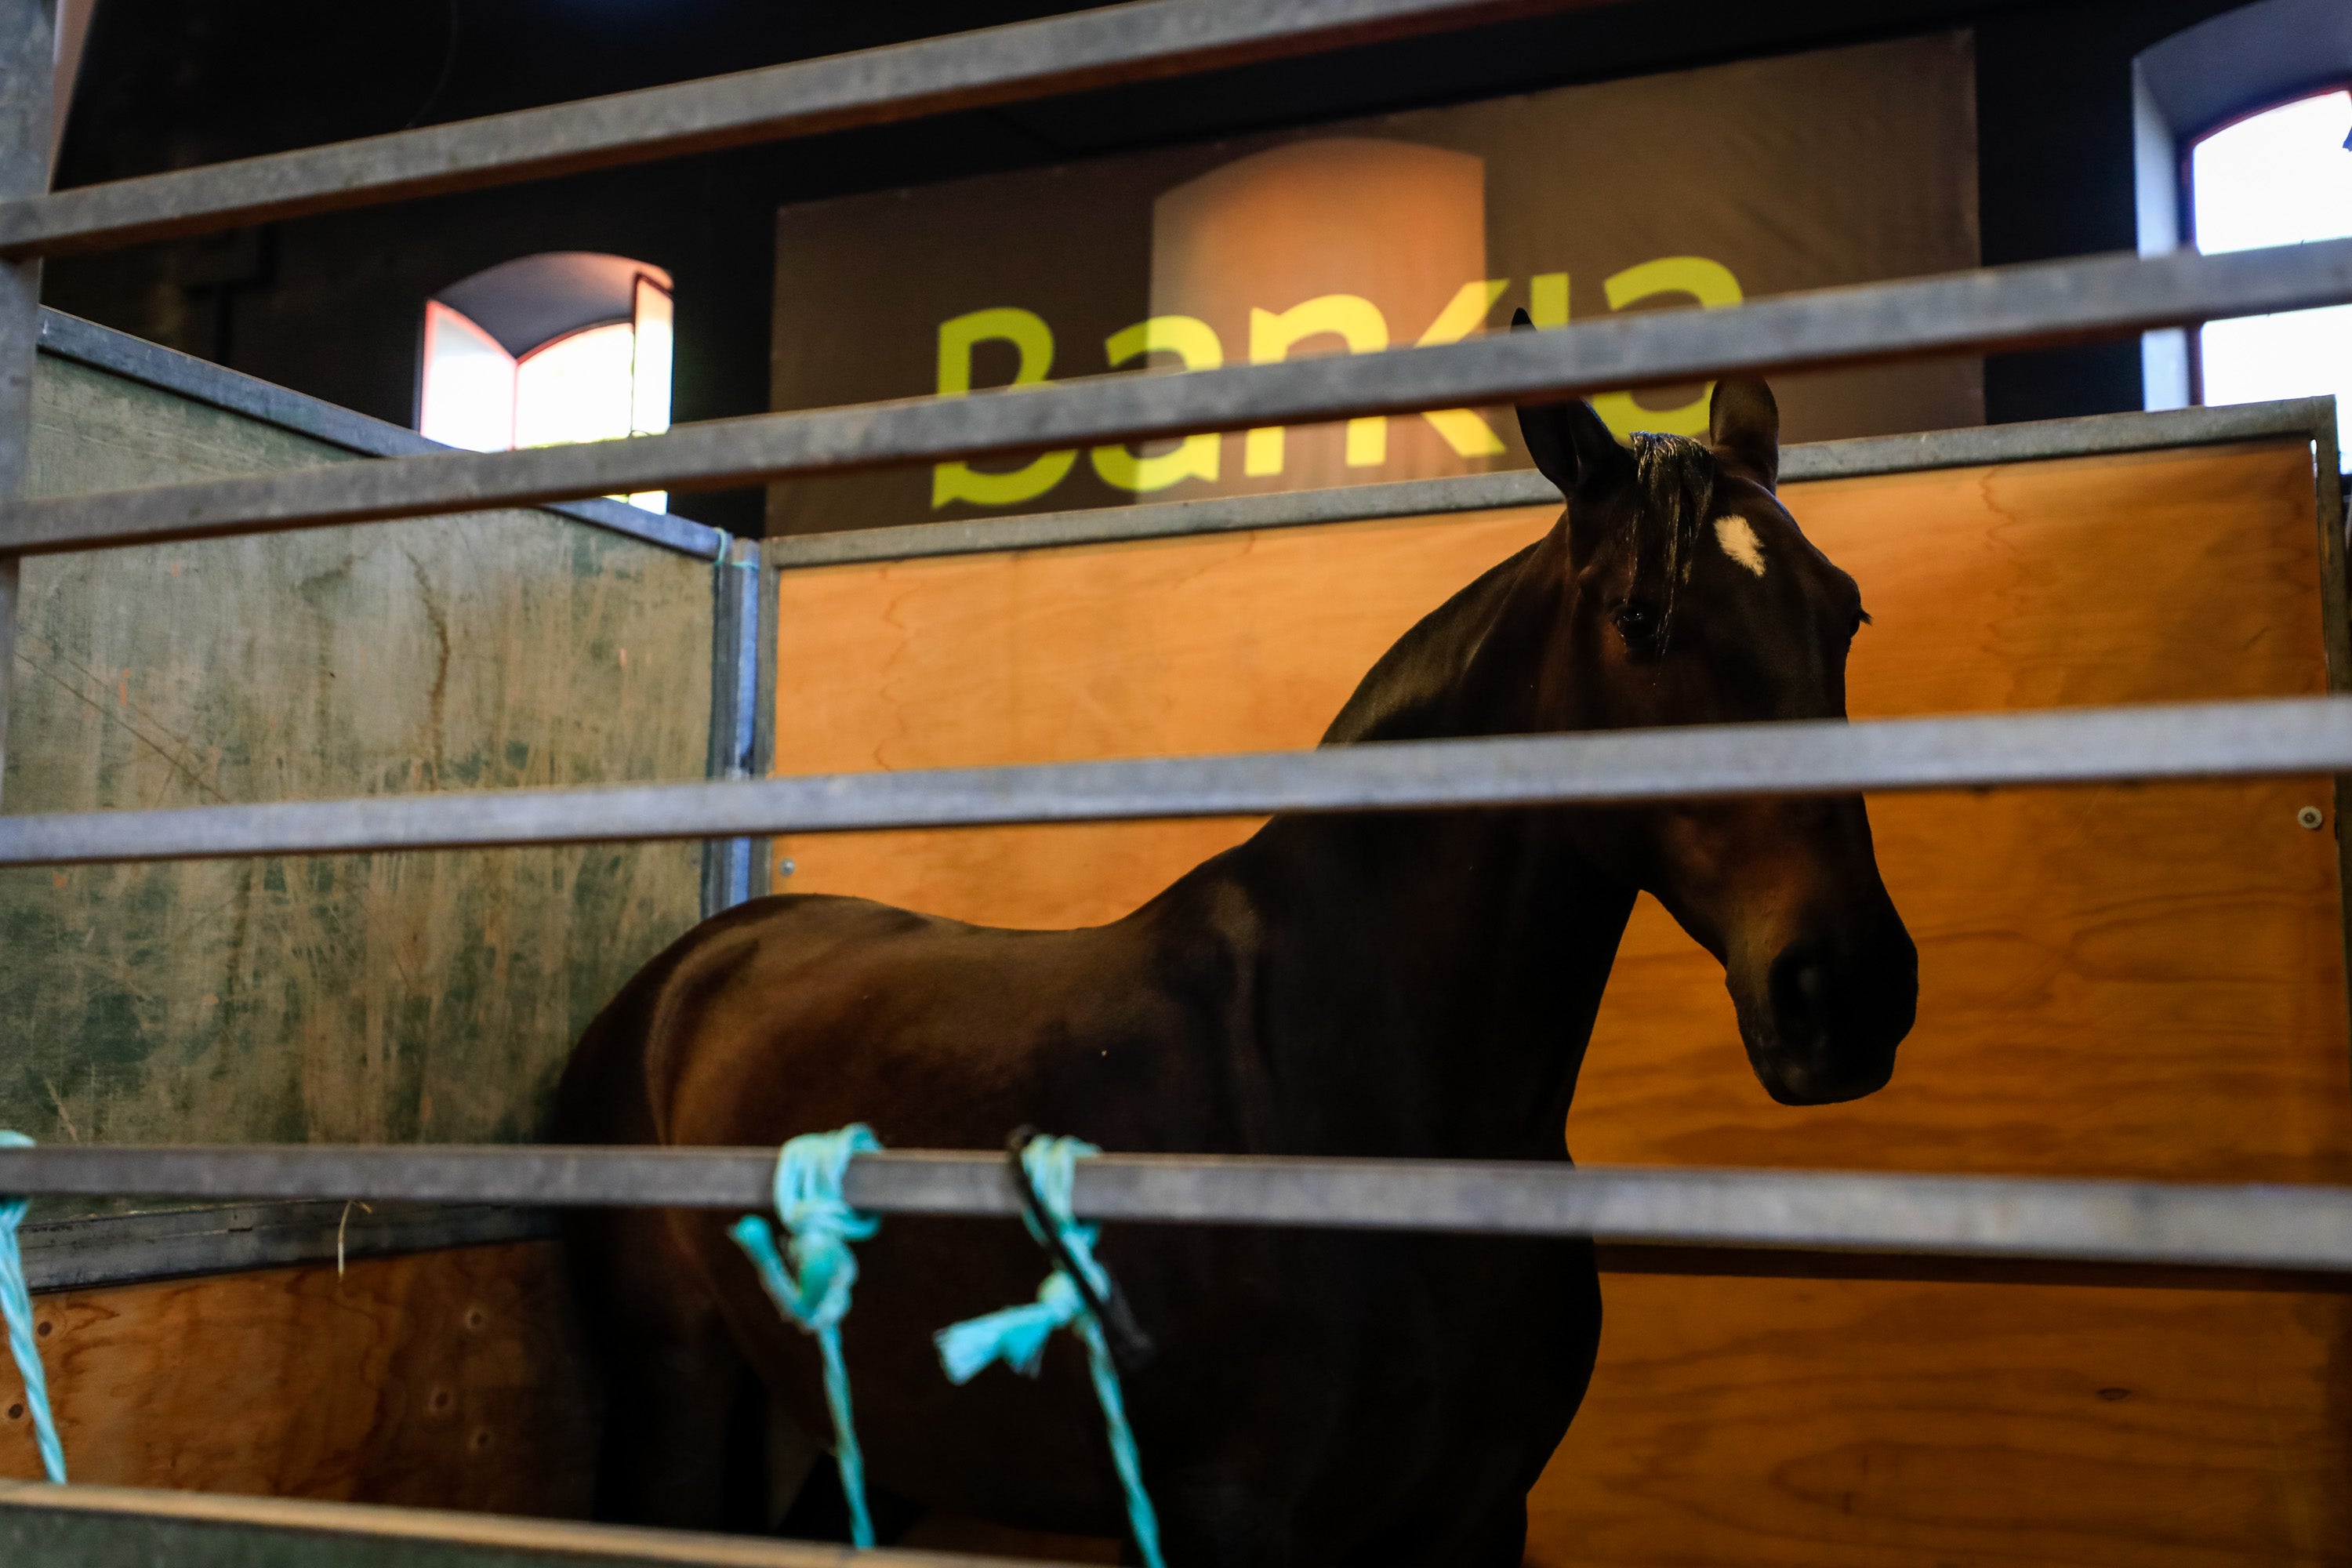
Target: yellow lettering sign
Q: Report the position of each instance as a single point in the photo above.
(1351, 318)
(1713, 286)
(1467, 433)
(1032, 340)
(1357, 320)
(1194, 342)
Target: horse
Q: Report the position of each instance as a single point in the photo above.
(1401, 985)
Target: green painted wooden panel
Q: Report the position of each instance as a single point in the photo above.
(345, 998)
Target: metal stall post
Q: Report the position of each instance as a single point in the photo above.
(28, 77)
(734, 869)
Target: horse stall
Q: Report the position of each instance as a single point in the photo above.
(390, 1353)
(349, 779)
(2118, 982)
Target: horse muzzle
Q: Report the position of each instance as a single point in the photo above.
(1823, 1026)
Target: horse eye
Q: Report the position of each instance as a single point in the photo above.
(1636, 623)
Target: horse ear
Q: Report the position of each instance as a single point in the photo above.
(1572, 446)
(1743, 423)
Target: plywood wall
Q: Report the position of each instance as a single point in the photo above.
(347, 997)
(2114, 981)
(445, 1380)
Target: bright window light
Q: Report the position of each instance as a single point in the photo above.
(469, 385)
(600, 381)
(650, 375)
(577, 388)
(2282, 177)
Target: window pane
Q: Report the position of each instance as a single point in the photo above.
(649, 389)
(576, 388)
(468, 392)
(2283, 177)
(2279, 178)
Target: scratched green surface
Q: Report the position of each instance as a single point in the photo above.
(367, 997)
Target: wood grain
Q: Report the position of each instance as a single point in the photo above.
(2120, 981)
(2114, 981)
(448, 1379)
(341, 997)
(1861, 1424)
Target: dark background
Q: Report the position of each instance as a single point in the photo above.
(330, 305)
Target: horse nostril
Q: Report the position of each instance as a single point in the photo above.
(1799, 985)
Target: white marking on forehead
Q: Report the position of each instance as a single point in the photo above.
(1739, 540)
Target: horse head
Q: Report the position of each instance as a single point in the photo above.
(1690, 596)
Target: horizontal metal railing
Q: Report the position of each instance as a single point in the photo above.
(1994, 307)
(2311, 420)
(114, 1527)
(2179, 1224)
(2267, 738)
(1086, 49)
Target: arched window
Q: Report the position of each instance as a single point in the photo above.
(2239, 127)
(568, 346)
(2281, 176)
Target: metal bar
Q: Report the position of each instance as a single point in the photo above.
(201, 381)
(1859, 458)
(2272, 738)
(176, 1243)
(27, 73)
(904, 81)
(2003, 308)
(766, 648)
(727, 863)
(99, 1251)
(2181, 1225)
(122, 1525)
(1810, 1263)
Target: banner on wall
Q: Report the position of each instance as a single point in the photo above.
(1710, 186)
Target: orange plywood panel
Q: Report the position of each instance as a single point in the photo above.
(2114, 981)
(1168, 647)
(448, 1379)
(1866, 1425)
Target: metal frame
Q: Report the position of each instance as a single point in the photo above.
(193, 1530)
(2308, 418)
(1995, 308)
(121, 1248)
(27, 70)
(2175, 1225)
(223, 1238)
(2245, 738)
(1086, 49)
(734, 870)
(2287, 1233)
(201, 381)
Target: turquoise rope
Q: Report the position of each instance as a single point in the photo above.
(1017, 1335)
(17, 1303)
(808, 1172)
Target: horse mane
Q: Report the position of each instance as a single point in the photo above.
(1399, 691)
(1675, 478)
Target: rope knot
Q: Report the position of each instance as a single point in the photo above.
(17, 1306)
(1047, 1170)
(813, 1292)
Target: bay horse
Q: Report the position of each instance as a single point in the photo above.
(1407, 985)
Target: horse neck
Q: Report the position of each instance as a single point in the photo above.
(1430, 979)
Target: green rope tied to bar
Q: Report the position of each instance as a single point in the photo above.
(809, 1172)
(1017, 1335)
(16, 1305)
